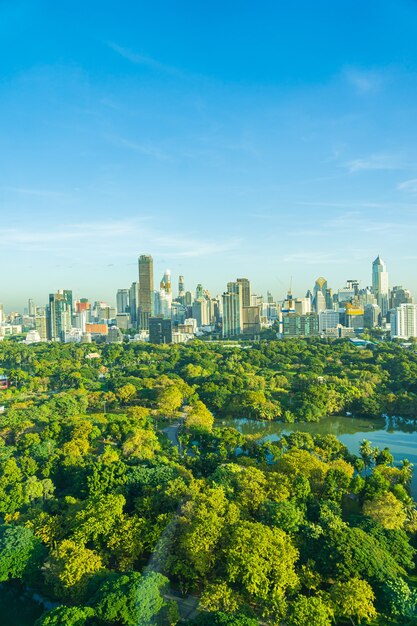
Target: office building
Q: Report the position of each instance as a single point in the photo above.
(59, 314)
(328, 319)
(399, 296)
(146, 290)
(294, 325)
(232, 310)
(404, 321)
(122, 301)
(134, 303)
(380, 284)
(246, 291)
(160, 330)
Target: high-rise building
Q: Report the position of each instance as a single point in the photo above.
(122, 300)
(232, 310)
(145, 290)
(41, 327)
(399, 296)
(246, 291)
(31, 308)
(328, 319)
(294, 325)
(319, 302)
(380, 284)
(181, 287)
(134, 303)
(404, 321)
(165, 284)
(59, 314)
(372, 316)
(251, 321)
(160, 330)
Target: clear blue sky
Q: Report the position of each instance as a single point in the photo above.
(267, 140)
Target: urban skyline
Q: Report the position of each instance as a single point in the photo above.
(282, 286)
(146, 313)
(275, 143)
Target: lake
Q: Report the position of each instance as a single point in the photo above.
(397, 435)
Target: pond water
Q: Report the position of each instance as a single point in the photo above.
(397, 435)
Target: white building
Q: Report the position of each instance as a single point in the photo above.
(380, 284)
(33, 337)
(404, 321)
(328, 319)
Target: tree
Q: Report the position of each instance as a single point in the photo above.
(367, 453)
(260, 561)
(170, 399)
(199, 418)
(65, 615)
(399, 599)
(131, 599)
(219, 597)
(126, 393)
(142, 444)
(309, 610)
(386, 510)
(21, 552)
(69, 568)
(353, 599)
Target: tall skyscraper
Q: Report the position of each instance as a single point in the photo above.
(165, 284)
(246, 291)
(181, 287)
(145, 290)
(31, 308)
(380, 284)
(232, 310)
(59, 315)
(122, 300)
(134, 303)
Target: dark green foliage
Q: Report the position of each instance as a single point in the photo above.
(21, 553)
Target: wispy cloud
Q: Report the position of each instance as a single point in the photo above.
(408, 185)
(375, 162)
(115, 238)
(146, 148)
(142, 59)
(41, 193)
(364, 81)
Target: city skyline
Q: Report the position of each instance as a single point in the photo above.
(275, 143)
(153, 282)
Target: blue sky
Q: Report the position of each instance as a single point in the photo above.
(269, 140)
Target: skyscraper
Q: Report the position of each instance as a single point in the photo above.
(134, 303)
(59, 316)
(145, 290)
(380, 284)
(181, 287)
(246, 291)
(122, 300)
(232, 310)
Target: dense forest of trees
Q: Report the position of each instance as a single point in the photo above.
(116, 523)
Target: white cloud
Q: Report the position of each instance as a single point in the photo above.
(364, 81)
(408, 185)
(375, 162)
(141, 59)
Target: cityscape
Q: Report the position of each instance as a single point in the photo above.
(175, 314)
(208, 313)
